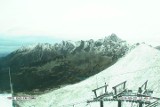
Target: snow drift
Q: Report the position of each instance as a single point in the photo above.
(141, 64)
(5, 101)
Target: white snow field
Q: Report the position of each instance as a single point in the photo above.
(139, 65)
(5, 101)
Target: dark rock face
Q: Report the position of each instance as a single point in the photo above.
(3, 54)
(157, 47)
(49, 66)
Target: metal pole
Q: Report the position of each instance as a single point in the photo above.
(105, 87)
(140, 104)
(101, 103)
(10, 81)
(119, 104)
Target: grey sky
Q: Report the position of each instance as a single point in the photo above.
(10, 44)
(133, 20)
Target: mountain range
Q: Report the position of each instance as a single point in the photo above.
(139, 65)
(46, 66)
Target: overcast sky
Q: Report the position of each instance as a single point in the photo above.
(133, 20)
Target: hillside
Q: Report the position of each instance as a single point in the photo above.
(141, 64)
(47, 66)
(3, 54)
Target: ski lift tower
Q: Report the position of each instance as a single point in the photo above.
(100, 93)
(142, 97)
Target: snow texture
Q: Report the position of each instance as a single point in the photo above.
(4, 101)
(141, 64)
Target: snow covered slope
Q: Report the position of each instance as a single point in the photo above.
(4, 101)
(141, 64)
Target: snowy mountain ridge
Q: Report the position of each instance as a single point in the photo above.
(54, 65)
(141, 64)
(109, 43)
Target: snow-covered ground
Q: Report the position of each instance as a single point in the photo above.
(4, 101)
(141, 64)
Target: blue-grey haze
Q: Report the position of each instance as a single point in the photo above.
(8, 45)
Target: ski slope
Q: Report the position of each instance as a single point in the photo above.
(139, 65)
(4, 101)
